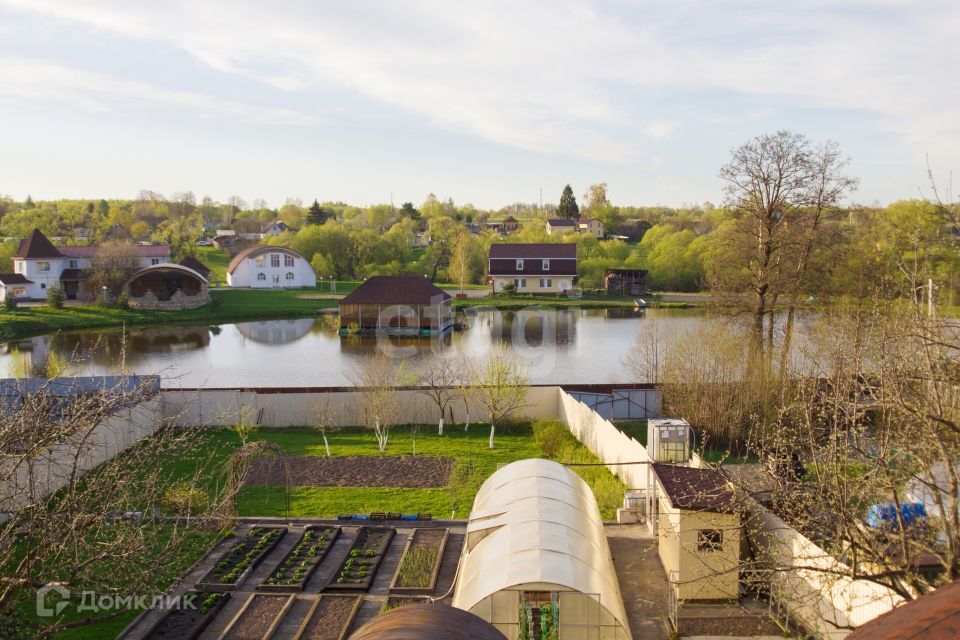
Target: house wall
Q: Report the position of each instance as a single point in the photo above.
(557, 284)
(41, 279)
(245, 274)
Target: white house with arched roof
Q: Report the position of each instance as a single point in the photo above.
(265, 267)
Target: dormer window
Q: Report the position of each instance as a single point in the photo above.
(546, 265)
(519, 265)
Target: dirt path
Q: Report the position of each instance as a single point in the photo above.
(354, 471)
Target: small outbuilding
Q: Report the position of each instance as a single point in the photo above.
(535, 561)
(397, 305)
(625, 282)
(698, 530)
(192, 263)
(427, 622)
(168, 287)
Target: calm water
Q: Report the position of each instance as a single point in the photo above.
(557, 346)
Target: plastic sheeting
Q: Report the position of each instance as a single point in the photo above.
(535, 522)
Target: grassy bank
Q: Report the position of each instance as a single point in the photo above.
(553, 302)
(228, 305)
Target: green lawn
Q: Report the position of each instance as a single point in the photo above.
(217, 261)
(474, 462)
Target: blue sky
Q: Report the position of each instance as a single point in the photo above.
(484, 102)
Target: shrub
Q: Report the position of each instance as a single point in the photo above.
(9, 302)
(56, 296)
(550, 437)
(183, 498)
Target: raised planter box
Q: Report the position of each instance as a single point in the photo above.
(420, 563)
(357, 571)
(329, 618)
(259, 617)
(395, 602)
(188, 624)
(296, 568)
(240, 561)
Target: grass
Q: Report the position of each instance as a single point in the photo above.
(215, 260)
(473, 463)
(417, 567)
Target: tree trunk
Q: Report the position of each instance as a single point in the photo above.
(440, 432)
(326, 444)
(493, 430)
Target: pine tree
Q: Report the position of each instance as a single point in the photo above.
(316, 214)
(568, 204)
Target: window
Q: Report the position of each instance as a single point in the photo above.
(274, 259)
(546, 265)
(261, 276)
(520, 283)
(709, 540)
(43, 285)
(18, 267)
(519, 265)
(73, 264)
(18, 292)
(546, 283)
(261, 263)
(287, 261)
(154, 260)
(43, 266)
(289, 275)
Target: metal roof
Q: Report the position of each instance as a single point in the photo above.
(695, 489)
(37, 246)
(543, 250)
(14, 278)
(536, 522)
(251, 252)
(397, 290)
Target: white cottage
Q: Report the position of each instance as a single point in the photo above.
(265, 267)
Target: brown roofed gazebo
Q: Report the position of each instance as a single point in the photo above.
(396, 305)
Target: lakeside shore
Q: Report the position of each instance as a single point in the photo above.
(240, 305)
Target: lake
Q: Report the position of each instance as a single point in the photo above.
(556, 346)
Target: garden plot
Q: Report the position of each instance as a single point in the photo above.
(360, 566)
(329, 618)
(295, 569)
(352, 471)
(242, 558)
(259, 617)
(187, 624)
(420, 564)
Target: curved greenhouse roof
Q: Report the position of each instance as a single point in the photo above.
(535, 524)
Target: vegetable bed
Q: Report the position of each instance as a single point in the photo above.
(188, 624)
(298, 565)
(240, 561)
(420, 563)
(259, 617)
(329, 618)
(363, 559)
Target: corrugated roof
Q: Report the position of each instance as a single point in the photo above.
(695, 489)
(561, 222)
(543, 250)
(934, 615)
(14, 278)
(37, 246)
(251, 252)
(397, 290)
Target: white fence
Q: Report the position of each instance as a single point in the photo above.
(53, 467)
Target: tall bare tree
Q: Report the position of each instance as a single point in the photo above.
(377, 378)
(439, 379)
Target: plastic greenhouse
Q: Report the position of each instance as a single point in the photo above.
(536, 562)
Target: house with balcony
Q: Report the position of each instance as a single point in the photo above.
(542, 269)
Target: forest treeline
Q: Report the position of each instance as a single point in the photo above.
(691, 248)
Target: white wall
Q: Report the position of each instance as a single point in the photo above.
(245, 274)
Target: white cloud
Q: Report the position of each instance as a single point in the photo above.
(564, 77)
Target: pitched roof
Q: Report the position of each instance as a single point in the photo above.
(251, 252)
(75, 274)
(561, 222)
(196, 265)
(14, 278)
(396, 290)
(545, 250)
(934, 615)
(37, 246)
(695, 489)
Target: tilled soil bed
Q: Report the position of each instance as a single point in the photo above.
(257, 617)
(416, 472)
(330, 618)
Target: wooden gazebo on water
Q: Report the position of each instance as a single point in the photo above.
(396, 305)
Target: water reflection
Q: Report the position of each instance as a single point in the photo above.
(276, 331)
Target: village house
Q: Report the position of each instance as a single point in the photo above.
(549, 269)
(593, 227)
(266, 267)
(41, 265)
(275, 228)
(397, 305)
(560, 225)
(510, 224)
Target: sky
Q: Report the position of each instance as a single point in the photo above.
(484, 102)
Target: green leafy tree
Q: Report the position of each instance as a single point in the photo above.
(568, 204)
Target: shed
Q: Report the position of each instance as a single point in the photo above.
(536, 555)
(625, 282)
(192, 263)
(698, 530)
(427, 622)
(397, 305)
